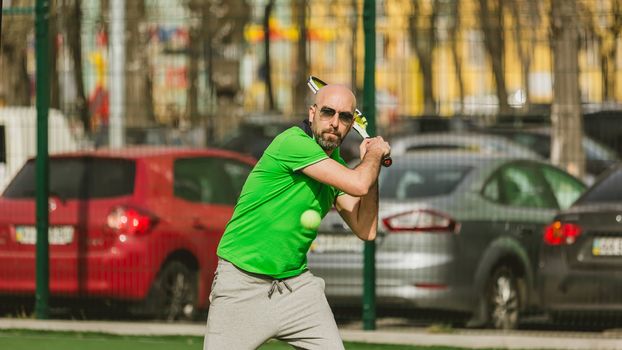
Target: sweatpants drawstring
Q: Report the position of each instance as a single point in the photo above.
(276, 284)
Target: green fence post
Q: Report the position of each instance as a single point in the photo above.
(42, 163)
(369, 100)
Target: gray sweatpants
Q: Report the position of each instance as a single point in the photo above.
(248, 309)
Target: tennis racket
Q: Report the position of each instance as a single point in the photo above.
(360, 122)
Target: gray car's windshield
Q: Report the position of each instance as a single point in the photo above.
(608, 190)
(423, 180)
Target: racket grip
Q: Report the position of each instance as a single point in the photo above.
(387, 161)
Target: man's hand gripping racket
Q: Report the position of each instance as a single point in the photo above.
(360, 122)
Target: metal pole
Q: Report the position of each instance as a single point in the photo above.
(42, 162)
(116, 81)
(369, 101)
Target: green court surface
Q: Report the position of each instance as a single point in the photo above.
(44, 340)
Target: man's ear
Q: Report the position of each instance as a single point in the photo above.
(311, 113)
(306, 127)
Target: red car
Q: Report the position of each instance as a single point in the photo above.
(138, 225)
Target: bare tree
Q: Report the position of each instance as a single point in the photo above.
(614, 28)
(605, 29)
(195, 50)
(301, 70)
(354, 30)
(217, 26)
(423, 39)
(15, 82)
(491, 19)
(1, 6)
(138, 83)
(221, 27)
(454, 26)
(526, 14)
(567, 128)
(72, 23)
(266, 41)
(139, 109)
(15, 86)
(53, 35)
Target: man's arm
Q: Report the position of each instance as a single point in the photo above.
(360, 213)
(355, 182)
(359, 206)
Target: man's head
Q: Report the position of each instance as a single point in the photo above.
(332, 115)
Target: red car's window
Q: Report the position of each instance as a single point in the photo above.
(209, 180)
(73, 178)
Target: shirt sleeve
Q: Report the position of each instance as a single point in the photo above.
(297, 151)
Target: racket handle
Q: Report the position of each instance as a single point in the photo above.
(387, 161)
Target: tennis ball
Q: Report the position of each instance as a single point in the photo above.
(310, 219)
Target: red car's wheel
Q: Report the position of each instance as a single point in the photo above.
(173, 295)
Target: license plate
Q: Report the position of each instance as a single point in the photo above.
(337, 243)
(57, 235)
(607, 246)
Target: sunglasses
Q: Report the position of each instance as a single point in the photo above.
(328, 113)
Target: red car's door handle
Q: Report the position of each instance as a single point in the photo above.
(197, 225)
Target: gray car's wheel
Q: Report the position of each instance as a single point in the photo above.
(503, 299)
(174, 293)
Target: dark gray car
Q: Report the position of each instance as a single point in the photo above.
(581, 262)
(598, 157)
(458, 231)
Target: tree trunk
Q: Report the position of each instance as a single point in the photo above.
(423, 40)
(353, 57)
(606, 42)
(567, 123)
(192, 74)
(453, 37)
(491, 18)
(614, 32)
(607, 73)
(1, 7)
(610, 52)
(74, 41)
(15, 82)
(524, 46)
(613, 58)
(221, 29)
(54, 25)
(139, 101)
(266, 41)
(301, 71)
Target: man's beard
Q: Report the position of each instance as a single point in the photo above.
(327, 145)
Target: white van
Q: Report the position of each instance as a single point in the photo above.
(18, 138)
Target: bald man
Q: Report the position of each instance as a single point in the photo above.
(262, 287)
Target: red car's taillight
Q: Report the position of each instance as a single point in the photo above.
(421, 220)
(559, 233)
(129, 221)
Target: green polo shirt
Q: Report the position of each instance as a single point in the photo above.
(265, 235)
